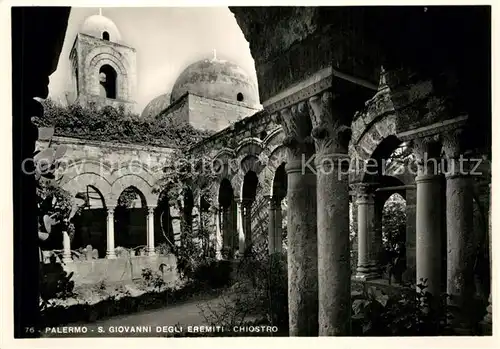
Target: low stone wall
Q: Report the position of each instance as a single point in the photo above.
(121, 269)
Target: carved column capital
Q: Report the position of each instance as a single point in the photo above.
(427, 151)
(452, 143)
(330, 134)
(364, 193)
(297, 128)
(111, 210)
(151, 210)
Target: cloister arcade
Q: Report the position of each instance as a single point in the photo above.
(322, 91)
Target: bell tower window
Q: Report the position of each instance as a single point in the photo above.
(107, 82)
(105, 36)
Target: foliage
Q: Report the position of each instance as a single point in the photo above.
(56, 206)
(127, 197)
(259, 294)
(55, 283)
(394, 236)
(153, 279)
(413, 312)
(214, 273)
(111, 124)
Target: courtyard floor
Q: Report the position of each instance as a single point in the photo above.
(170, 319)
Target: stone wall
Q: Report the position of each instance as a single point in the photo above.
(121, 269)
(178, 112)
(210, 114)
(111, 167)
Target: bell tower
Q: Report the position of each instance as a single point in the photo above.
(103, 67)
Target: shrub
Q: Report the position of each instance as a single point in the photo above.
(214, 274)
(153, 279)
(55, 283)
(259, 294)
(413, 312)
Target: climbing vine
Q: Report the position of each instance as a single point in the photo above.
(116, 124)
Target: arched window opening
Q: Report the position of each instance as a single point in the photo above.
(90, 224)
(105, 36)
(239, 97)
(130, 219)
(227, 217)
(394, 236)
(107, 82)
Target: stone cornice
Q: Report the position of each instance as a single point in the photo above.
(320, 81)
(434, 129)
(110, 144)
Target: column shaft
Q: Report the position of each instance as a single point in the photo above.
(366, 248)
(271, 226)
(333, 248)
(429, 232)
(429, 213)
(248, 223)
(239, 227)
(459, 212)
(66, 257)
(218, 234)
(110, 234)
(278, 227)
(150, 249)
(302, 252)
(488, 318)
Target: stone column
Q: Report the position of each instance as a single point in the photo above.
(225, 227)
(66, 257)
(377, 246)
(239, 226)
(247, 221)
(429, 213)
(366, 269)
(459, 216)
(488, 318)
(278, 225)
(301, 222)
(411, 220)
(150, 248)
(110, 234)
(218, 235)
(271, 224)
(332, 164)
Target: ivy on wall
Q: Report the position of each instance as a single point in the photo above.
(116, 124)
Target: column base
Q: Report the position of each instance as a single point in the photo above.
(150, 253)
(366, 273)
(67, 259)
(110, 255)
(366, 276)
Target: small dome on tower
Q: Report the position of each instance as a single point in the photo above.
(156, 106)
(216, 79)
(101, 27)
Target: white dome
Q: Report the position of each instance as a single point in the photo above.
(97, 25)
